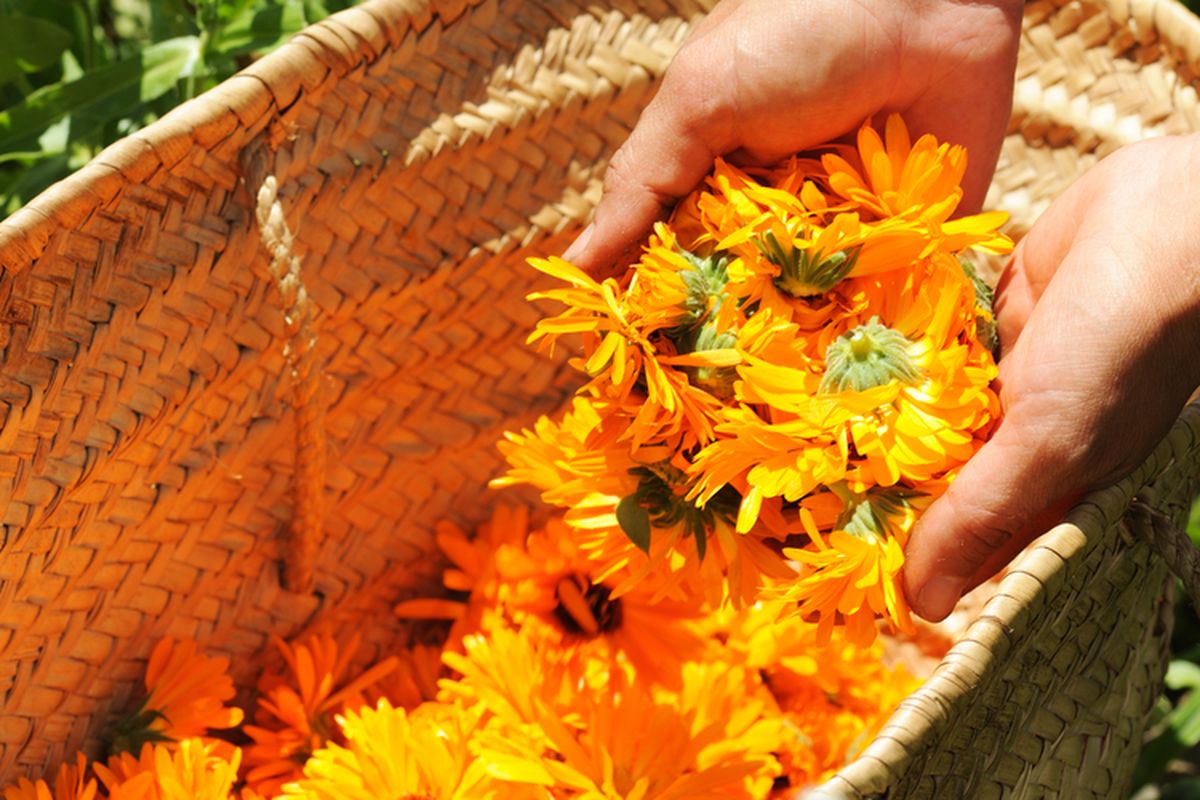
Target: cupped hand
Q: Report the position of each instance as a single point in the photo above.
(763, 79)
(1099, 320)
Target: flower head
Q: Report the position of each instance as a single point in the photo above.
(71, 783)
(186, 696)
(297, 706)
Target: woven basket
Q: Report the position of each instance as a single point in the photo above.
(252, 353)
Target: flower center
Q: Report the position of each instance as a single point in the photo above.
(868, 356)
(585, 608)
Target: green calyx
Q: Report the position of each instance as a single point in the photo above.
(873, 513)
(705, 280)
(130, 733)
(806, 272)
(660, 501)
(868, 356)
(985, 297)
(717, 381)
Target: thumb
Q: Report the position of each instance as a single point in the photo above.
(1002, 498)
(669, 152)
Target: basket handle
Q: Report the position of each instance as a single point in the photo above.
(299, 350)
(1170, 542)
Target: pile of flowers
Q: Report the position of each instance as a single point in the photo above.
(544, 686)
(798, 363)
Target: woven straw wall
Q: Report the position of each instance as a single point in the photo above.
(422, 150)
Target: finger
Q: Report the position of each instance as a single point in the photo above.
(669, 152)
(987, 512)
(722, 92)
(968, 96)
(1034, 263)
(1042, 522)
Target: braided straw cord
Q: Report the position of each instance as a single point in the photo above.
(300, 353)
(1170, 542)
(422, 150)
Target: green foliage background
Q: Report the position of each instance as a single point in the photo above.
(76, 75)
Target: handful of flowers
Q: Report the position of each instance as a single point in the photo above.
(797, 365)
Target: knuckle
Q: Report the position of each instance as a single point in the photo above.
(980, 540)
(982, 532)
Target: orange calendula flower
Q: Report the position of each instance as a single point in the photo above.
(296, 708)
(549, 588)
(192, 769)
(789, 334)
(71, 783)
(895, 178)
(472, 572)
(634, 519)
(849, 577)
(186, 697)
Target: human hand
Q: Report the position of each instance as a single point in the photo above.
(763, 79)
(1099, 321)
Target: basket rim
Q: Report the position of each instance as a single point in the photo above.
(328, 49)
(1029, 582)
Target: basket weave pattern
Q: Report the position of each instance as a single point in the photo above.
(149, 436)
(173, 374)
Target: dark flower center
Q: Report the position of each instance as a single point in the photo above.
(585, 608)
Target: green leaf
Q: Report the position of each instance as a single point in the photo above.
(1183, 675)
(170, 18)
(29, 45)
(260, 28)
(32, 181)
(108, 93)
(1185, 719)
(634, 520)
(1193, 525)
(701, 534)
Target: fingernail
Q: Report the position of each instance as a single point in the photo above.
(579, 246)
(939, 596)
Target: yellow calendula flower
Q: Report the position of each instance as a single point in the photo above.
(831, 697)
(849, 577)
(618, 740)
(897, 391)
(785, 249)
(391, 752)
(629, 358)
